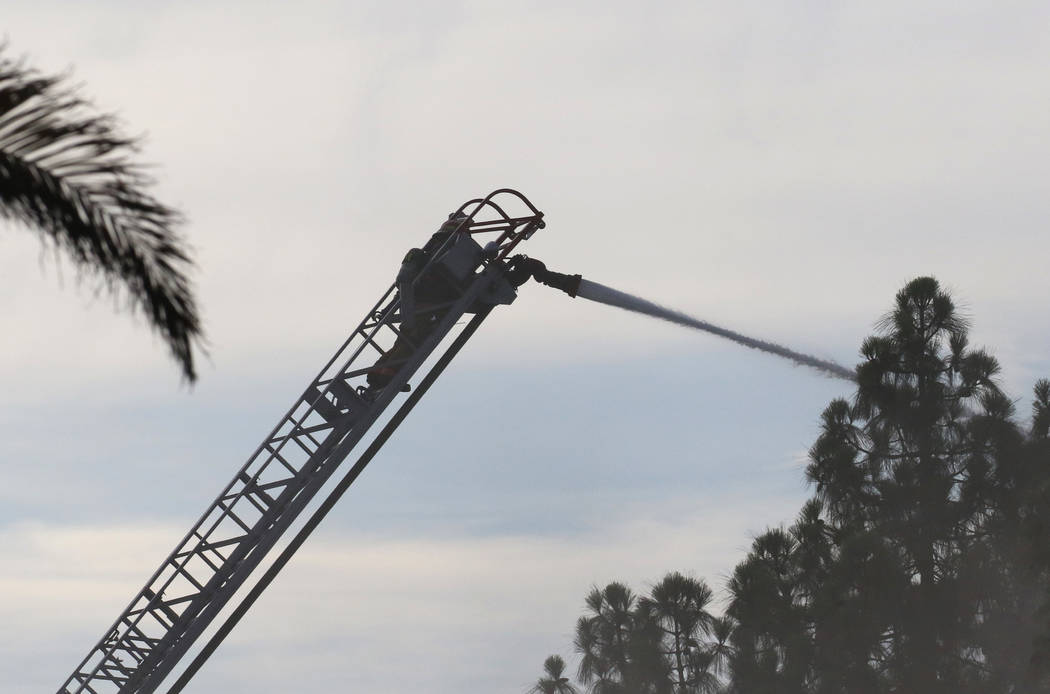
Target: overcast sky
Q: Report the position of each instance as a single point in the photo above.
(778, 168)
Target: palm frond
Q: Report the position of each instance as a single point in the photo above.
(68, 173)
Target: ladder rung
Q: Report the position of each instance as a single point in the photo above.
(156, 602)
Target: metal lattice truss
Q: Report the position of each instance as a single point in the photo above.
(295, 460)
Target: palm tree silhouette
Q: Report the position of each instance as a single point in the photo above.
(619, 646)
(554, 682)
(67, 172)
(677, 606)
(603, 638)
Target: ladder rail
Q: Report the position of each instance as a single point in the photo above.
(317, 480)
(185, 547)
(193, 532)
(150, 600)
(247, 518)
(319, 514)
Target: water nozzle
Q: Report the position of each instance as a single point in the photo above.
(570, 284)
(521, 267)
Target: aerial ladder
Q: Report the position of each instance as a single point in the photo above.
(470, 263)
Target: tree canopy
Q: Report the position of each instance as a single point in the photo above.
(920, 564)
